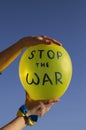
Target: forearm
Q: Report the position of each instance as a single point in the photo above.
(9, 55)
(17, 124)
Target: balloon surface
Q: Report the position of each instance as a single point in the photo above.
(45, 71)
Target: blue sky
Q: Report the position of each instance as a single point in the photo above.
(63, 20)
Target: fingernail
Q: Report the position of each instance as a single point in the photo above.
(40, 38)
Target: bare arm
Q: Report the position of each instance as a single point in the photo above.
(17, 124)
(10, 54)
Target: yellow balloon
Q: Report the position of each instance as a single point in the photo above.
(45, 71)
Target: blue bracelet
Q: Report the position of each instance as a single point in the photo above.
(30, 120)
(23, 109)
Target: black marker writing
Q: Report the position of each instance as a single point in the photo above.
(44, 79)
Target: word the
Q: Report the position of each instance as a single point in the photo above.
(42, 64)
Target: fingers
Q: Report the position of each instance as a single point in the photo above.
(47, 40)
(45, 106)
(40, 108)
(35, 40)
(52, 40)
(43, 39)
(51, 101)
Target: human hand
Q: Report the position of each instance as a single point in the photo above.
(40, 107)
(34, 40)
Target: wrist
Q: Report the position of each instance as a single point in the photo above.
(29, 119)
(22, 120)
(25, 42)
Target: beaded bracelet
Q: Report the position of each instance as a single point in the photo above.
(23, 112)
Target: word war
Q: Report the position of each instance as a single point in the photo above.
(46, 79)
